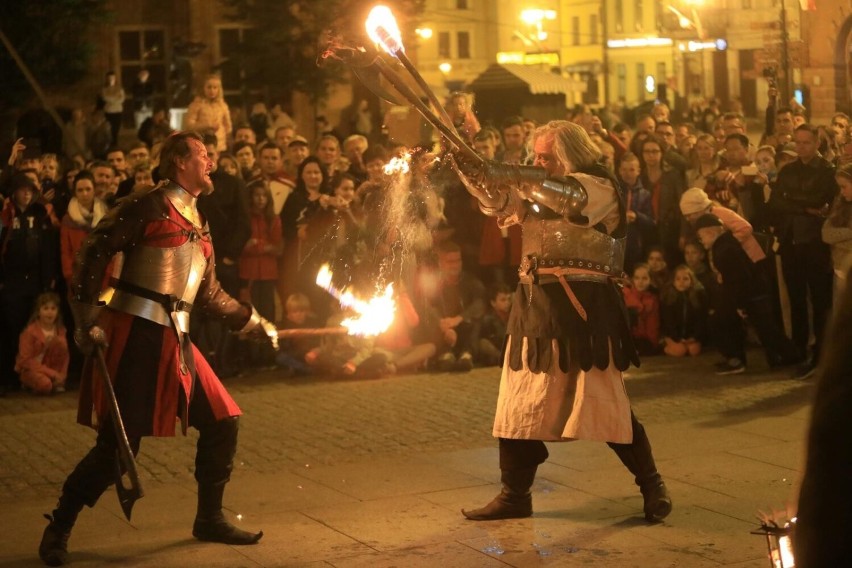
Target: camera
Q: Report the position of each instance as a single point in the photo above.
(770, 73)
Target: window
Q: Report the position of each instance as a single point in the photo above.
(142, 48)
(747, 5)
(461, 5)
(228, 58)
(444, 44)
(593, 29)
(640, 81)
(659, 14)
(619, 15)
(661, 72)
(575, 30)
(463, 39)
(622, 81)
(638, 14)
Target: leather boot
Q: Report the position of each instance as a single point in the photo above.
(640, 462)
(513, 502)
(214, 460)
(92, 476)
(53, 549)
(210, 524)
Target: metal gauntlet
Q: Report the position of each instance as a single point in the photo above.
(566, 197)
(474, 176)
(259, 328)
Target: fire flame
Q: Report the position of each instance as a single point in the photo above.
(375, 314)
(382, 29)
(397, 165)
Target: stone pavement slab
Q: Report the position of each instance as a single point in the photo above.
(355, 473)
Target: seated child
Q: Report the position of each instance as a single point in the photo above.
(492, 328)
(344, 354)
(400, 352)
(683, 314)
(42, 359)
(643, 307)
(660, 277)
(294, 352)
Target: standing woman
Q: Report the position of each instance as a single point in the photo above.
(310, 195)
(113, 97)
(209, 112)
(704, 163)
(666, 187)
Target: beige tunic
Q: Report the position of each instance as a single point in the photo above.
(558, 406)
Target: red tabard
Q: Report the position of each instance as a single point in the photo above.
(143, 359)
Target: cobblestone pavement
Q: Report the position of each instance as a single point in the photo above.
(296, 423)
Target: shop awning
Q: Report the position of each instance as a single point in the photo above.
(537, 80)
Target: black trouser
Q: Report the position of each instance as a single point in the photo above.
(217, 444)
(637, 456)
(777, 346)
(808, 274)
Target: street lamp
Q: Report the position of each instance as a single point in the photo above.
(535, 17)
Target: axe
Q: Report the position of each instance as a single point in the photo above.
(127, 496)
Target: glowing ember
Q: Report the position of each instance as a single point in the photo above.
(382, 29)
(374, 315)
(398, 165)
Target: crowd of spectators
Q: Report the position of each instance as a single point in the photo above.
(722, 233)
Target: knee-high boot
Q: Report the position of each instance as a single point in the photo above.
(84, 486)
(217, 444)
(519, 461)
(640, 462)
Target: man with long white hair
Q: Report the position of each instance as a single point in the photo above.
(568, 338)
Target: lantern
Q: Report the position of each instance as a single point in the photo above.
(779, 543)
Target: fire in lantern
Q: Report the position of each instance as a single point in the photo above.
(375, 315)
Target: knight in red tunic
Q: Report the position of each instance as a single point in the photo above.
(158, 375)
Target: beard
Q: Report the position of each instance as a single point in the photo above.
(207, 186)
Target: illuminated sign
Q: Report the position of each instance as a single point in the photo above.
(715, 45)
(639, 42)
(519, 57)
(650, 84)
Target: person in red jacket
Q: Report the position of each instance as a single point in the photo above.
(42, 359)
(643, 307)
(259, 261)
(85, 211)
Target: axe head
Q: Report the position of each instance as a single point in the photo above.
(127, 496)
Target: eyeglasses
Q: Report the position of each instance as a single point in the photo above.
(840, 124)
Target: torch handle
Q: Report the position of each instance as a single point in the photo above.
(409, 66)
(311, 331)
(423, 108)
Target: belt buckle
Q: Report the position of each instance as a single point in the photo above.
(528, 265)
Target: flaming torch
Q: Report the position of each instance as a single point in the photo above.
(375, 314)
(383, 30)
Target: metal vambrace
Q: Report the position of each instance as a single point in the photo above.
(514, 174)
(566, 197)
